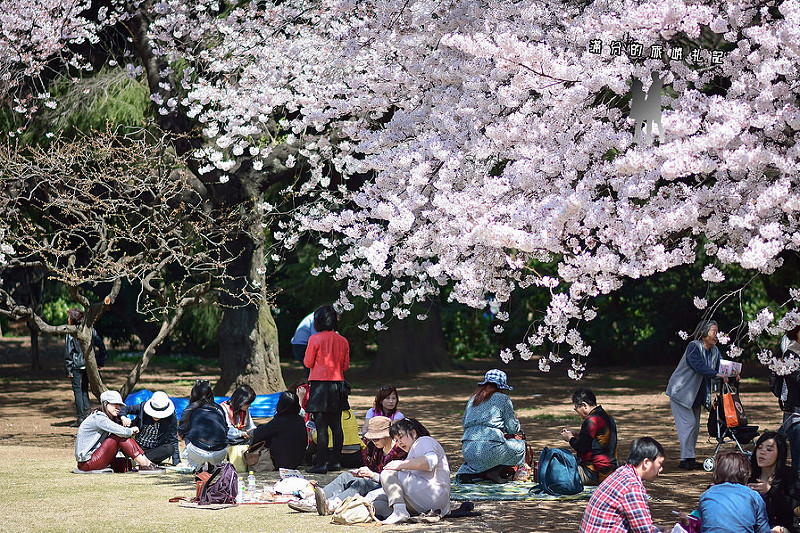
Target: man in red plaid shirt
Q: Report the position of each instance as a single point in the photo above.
(620, 502)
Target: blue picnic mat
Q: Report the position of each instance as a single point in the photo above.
(262, 407)
(515, 490)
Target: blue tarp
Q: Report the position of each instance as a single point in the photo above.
(262, 407)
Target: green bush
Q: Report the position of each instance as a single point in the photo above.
(55, 311)
(196, 332)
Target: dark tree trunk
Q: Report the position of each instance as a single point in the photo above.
(248, 336)
(410, 346)
(36, 364)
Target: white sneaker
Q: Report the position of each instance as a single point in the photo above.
(399, 514)
(303, 506)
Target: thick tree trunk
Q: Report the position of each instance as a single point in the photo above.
(410, 346)
(36, 363)
(248, 336)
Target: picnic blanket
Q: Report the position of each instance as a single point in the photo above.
(179, 469)
(207, 507)
(262, 407)
(516, 490)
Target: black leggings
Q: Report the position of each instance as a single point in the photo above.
(323, 421)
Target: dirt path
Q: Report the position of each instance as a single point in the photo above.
(36, 408)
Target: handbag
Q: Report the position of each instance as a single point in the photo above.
(354, 510)
(732, 406)
(526, 470)
(253, 453)
(236, 457)
(345, 389)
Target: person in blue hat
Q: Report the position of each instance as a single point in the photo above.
(488, 419)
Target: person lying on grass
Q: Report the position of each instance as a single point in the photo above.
(103, 433)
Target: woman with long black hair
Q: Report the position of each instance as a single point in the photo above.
(775, 481)
(203, 427)
(237, 414)
(328, 356)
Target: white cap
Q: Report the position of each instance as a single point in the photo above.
(111, 396)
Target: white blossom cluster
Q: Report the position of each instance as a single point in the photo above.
(491, 140)
(780, 365)
(765, 323)
(33, 32)
(5, 248)
(497, 154)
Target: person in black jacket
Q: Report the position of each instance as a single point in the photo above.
(204, 428)
(75, 364)
(285, 435)
(775, 481)
(787, 389)
(158, 428)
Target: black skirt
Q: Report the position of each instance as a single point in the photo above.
(327, 397)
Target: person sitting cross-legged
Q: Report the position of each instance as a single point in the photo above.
(620, 502)
(158, 427)
(729, 505)
(596, 442)
(285, 434)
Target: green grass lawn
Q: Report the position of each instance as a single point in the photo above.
(40, 493)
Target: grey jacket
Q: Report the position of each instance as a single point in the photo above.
(685, 382)
(93, 431)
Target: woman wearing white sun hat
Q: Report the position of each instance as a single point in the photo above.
(158, 427)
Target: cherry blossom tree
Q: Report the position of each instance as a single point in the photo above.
(464, 144)
(506, 143)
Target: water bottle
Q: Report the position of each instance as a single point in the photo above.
(251, 484)
(240, 493)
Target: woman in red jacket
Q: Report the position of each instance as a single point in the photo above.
(328, 356)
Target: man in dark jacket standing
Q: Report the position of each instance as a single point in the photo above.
(158, 428)
(75, 364)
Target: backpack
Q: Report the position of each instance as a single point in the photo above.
(558, 472)
(217, 484)
(354, 510)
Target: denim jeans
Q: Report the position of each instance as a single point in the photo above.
(346, 485)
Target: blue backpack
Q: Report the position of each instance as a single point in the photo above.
(558, 472)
